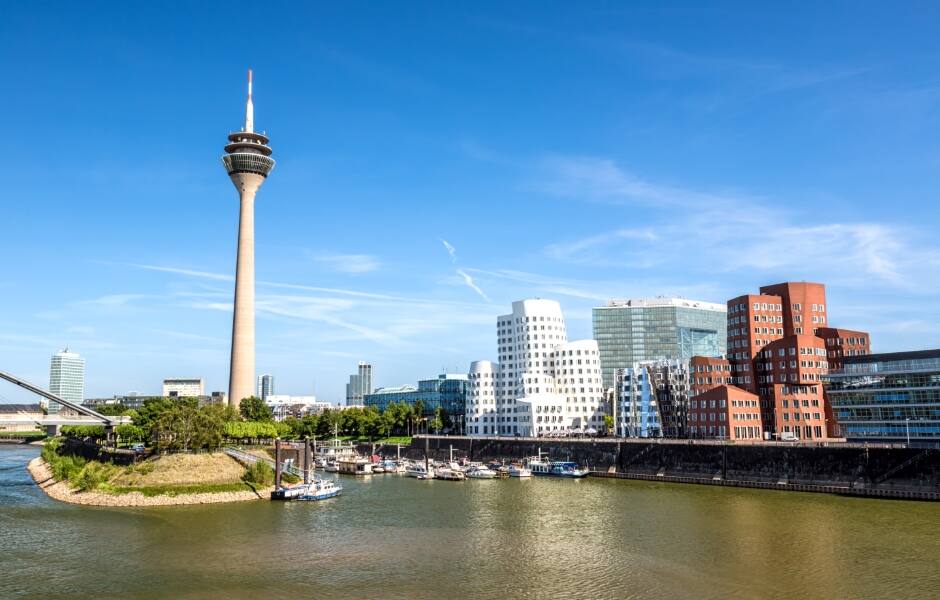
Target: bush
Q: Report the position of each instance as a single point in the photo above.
(67, 468)
(259, 473)
(92, 475)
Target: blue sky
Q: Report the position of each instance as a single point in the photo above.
(563, 150)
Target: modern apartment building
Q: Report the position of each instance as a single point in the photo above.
(841, 343)
(652, 399)
(632, 331)
(725, 412)
(265, 386)
(66, 378)
(542, 381)
(360, 384)
(780, 347)
(892, 397)
(184, 387)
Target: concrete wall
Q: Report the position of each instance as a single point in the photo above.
(841, 465)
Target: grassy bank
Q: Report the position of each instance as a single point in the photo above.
(170, 475)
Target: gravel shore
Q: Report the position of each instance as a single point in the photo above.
(61, 491)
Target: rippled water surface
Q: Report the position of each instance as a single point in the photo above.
(395, 537)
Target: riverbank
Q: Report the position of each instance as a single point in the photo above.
(874, 471)
(62, 491)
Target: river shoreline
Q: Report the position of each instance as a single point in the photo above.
(61, 491)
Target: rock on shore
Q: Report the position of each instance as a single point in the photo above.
(60, 490)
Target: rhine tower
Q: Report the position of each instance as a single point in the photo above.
(248, 161)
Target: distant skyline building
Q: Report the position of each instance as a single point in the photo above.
(542, 382)
(265, 386)
(184, 387)
(66, 378)
(638, 330)
(248, 162)
(360, 384)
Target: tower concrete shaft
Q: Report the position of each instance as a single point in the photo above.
(242, 368)
(248, 163)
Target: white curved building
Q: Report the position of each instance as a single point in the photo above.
(542, 382)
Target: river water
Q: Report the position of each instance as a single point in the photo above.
(390, 536)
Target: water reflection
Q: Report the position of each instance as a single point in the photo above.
(394, 537)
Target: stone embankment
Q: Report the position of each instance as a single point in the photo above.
(60, 490)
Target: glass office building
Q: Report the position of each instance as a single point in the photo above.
(66, 379)
(448, 391)
(632, 331)
(888, 397)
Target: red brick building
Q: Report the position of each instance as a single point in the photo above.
(780, 344)
(707, 372)
(843, 342)
(725, 412)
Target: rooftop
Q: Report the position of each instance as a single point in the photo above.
(665, 301)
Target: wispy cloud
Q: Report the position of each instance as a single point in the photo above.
(473, 286)
(450, 250)
(353, 264)
(464, 276)
(189, 272)
(728, 231)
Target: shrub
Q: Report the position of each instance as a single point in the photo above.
(259, 473)
(67, 468)
(92, 475)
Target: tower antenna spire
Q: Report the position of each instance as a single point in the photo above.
(249, 109)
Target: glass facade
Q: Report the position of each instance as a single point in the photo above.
(66, 379)
(447, 391)
(244, 162)
(671, 328)
(888, 397)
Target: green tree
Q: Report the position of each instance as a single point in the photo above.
(437, 423)
(129, 433)
(112, 410)
(608, 424)
(329, 421)
(253, 408)
(154, 408)
(186, 428)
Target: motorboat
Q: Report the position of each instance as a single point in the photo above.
(515, 470)
(480, 473)
(417, 470)
(318, 489)
(448, 474)
(331, 467)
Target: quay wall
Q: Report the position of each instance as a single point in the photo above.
(842, 466)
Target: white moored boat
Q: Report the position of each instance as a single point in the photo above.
(481, 473)
(448, 474)
(519, 471)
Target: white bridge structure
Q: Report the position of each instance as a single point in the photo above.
(74, 414)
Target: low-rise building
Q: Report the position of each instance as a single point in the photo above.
(183, 387)
(725, 412)
(284, 405)
(448, 391)
(13, 415)
(890, 397)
